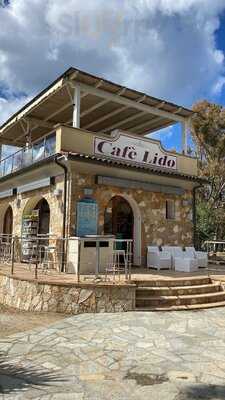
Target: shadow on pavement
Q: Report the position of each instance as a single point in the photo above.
(202, 392)
(18, 377)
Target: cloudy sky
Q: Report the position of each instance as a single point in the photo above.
(169, 49)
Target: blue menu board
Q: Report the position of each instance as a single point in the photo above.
(87, 217)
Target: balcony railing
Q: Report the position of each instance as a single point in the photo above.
(28, 155)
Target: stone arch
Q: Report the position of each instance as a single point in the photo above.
(8, 221)
(3, 210)
(37, 202)
(136, 226)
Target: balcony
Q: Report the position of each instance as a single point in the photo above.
(38, 151)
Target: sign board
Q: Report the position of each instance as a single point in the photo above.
(87, 217)
(135, 150)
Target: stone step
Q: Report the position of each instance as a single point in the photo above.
(189, 281)
(157, 301)
(184, 307)
(178, 290)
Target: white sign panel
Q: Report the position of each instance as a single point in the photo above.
(132, 149)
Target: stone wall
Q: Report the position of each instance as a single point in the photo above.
(28, 200)
(155, 228)
(35, 296)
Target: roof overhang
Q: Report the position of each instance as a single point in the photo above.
(105, 106)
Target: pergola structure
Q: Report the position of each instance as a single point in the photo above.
(91, 103)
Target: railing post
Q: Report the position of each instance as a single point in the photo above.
(36, 262)
(12, 256)
(97, 258)
(78, 261)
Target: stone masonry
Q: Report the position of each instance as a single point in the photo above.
(70, 299)
(28, 200)
(156, 229)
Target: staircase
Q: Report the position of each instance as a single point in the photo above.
(179, 294)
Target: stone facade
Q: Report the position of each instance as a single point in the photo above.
(151, 208)
(74, 299)
(26, 203)
(155, 228)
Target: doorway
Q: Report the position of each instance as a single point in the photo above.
(8, 221)
(44, 216)
(122, 218)
(119, 218)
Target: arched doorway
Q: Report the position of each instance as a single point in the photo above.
(126, 207)
(119, 218)
(8, 221)
(44, 216)
(36, 219)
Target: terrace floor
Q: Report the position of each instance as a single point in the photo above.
(23, 272)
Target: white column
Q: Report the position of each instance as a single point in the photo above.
(185, 130)
(76, 107)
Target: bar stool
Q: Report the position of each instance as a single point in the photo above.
(48, 261)
(7, 252)
(115, 266)
(33, 255)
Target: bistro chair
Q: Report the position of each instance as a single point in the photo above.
(48, 261)
(117, 263)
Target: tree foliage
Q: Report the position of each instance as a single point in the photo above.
(208, 132)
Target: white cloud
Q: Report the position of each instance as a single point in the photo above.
(218, 85)
(10, 106)
(164, 47)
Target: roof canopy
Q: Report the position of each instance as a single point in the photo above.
(104, 106)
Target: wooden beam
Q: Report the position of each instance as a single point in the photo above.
(94, 107)
(40, 122)
(152, 130)
(124, 121)
(143, 124)
(124, 101)
(105, 117)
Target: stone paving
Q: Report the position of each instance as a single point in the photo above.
(121, 356)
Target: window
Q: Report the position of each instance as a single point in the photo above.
(170, 209)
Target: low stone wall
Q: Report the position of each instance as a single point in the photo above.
(70, 299)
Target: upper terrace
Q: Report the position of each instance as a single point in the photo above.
(90, 104)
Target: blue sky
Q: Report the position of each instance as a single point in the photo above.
(170, 49)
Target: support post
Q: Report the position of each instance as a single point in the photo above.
(185, 130)
(76, 107)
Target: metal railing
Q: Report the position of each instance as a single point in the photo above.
(93, 257)
(28, 155)
(214, 246)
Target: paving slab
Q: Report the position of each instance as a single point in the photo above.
(123, 356)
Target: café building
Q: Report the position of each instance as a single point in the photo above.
(85, 164)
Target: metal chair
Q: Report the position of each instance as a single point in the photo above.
(115, 266)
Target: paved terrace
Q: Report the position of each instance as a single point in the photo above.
(23, 272)
(127, 356)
